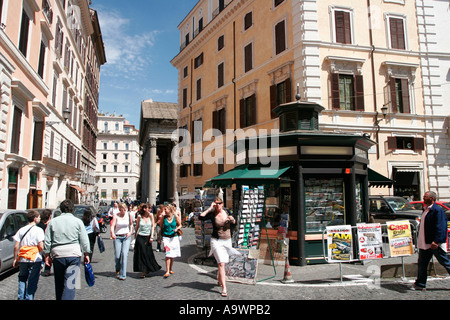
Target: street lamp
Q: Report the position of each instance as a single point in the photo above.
(66, 116)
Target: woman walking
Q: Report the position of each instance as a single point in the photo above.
(144, 260)
(221, 246)
(121, 231)
(92, 229)
(170, 225)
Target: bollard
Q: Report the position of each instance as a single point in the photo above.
(287, 278)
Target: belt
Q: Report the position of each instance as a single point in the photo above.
(121, 235)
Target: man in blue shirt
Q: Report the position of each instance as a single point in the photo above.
(432, 239)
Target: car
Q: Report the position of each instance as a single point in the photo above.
(80, 208)
(55, 212)
(388, 208)
(10, 222)
(419, 205)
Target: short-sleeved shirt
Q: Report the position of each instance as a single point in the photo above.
(31, 239)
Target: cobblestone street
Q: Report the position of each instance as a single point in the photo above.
(198, 282)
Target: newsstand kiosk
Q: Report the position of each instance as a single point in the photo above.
(321, 180)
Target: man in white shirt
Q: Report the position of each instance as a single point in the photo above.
(28, 257)
(432, 239)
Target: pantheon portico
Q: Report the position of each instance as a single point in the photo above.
(158, 121)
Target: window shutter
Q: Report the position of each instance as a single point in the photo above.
(392, 143)
(288, 90)
(397, 33)
(220, 75)
(38, 140)
(215, 119)
(393, 95)
(248, 57)
(280, 37)
(405, 96)
(253, 109)
(419, 144)
(242, 113)
(359, 90)
(335, 100)
(342, 26)
(15, 139)
(273, 100)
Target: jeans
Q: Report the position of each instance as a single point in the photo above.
(121, 248)
(28, 279)
(66, 272)
(424, 259)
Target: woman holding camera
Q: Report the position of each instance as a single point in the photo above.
(221, 246)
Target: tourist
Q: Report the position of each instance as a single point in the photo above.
(170, 225)
(121, 231)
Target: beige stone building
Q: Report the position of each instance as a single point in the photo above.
(360, 60)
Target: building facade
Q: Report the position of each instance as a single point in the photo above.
(360, 60)
(44, 51)
(118, 159)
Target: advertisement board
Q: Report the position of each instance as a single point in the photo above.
(370, 241)
(400, 239)
(339, 242)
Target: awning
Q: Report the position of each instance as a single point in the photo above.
(378, 180)
(247, 174)
(79, 189)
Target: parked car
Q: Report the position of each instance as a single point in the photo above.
(444, 205)
(55, 212)
(419, 205)
(10, 222)
(388, 208)
(79, 212)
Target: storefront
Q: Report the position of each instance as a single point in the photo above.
(320, 179)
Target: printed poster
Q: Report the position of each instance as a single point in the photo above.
(400, 240)
(370, 241)
(339, 241)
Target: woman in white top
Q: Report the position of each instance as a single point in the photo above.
(121, 231)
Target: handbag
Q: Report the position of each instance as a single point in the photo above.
(89, 274)
(101, 244)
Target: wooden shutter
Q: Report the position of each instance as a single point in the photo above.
(215, 119)
(220, 75)
(393, 95)
(38, 140)
(280, 37)
(15, 138)
(397, 33)
(342, 25)
(405, 96)
(359, 93)
(248, 51)
(273, 100)
(335, 99)
(392, 143)
(253, 99)
(242, 113)
(287, 84)
(419, 144)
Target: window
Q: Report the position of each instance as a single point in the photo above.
(41, 60)
(24, 30)
(347, 92)
(399, 95)
(105, 156)
(277, 3)
(219, 120)
(116, 146)
(397, 33)
(126, 156)
(116, 156)
(198, 61)
(220, 75)
(248, 111)
(114, 180)
(280, 37)
(127, 146)
(185, 97)
(38, 140)
(114, 194)
(15, 136)
(198, 169)
(199, 89)
(248, 57)
(115, 168)
(220, 42)
(117, 126)
(197, 131)
(103, 180)
(105, 145)
(248, 20)
(406, 143)
(125, 180)
(280, 93)
(126, 168)
(342, 27)
(185, 72)
(104, 168)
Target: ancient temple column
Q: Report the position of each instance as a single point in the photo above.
(152, 172)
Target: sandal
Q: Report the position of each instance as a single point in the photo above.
(166, 275)
(224, 294)
(171, 272)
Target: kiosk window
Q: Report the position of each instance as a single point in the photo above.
(324, 203)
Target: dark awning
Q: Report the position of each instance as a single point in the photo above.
(246, 174)
(378, 180)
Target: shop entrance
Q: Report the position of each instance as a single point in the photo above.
(407, 185)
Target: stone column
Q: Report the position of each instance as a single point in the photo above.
(152, 173)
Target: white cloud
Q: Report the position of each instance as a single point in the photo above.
(126, 53)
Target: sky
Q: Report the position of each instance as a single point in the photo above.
(141, 38)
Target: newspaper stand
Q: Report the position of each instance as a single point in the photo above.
(355, 249)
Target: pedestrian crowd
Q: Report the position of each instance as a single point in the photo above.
(63, 242)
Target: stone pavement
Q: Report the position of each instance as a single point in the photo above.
(193, 281)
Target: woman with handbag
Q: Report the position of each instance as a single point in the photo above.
(92, 229)
(144, 260)
(170, 230)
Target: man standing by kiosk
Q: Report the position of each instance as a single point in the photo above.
(432, 239)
